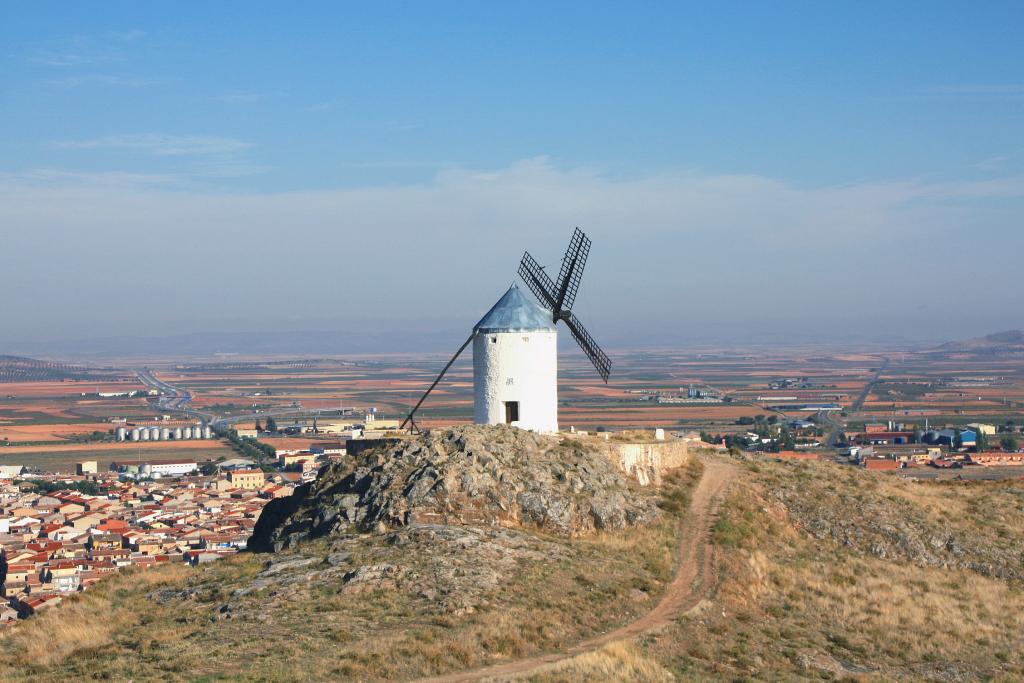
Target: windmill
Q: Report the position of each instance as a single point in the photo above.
(515, 347)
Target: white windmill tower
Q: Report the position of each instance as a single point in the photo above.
(515, 350)
(515, 365)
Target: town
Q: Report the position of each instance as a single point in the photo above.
(60, 532)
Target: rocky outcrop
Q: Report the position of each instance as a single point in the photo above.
(489, 476)
(892, 528)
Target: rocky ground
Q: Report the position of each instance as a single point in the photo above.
(473, 475)
(895, 527)
(449, 551)
(829, 572)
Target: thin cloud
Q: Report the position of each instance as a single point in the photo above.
(975, 89)
(401, 164)
(68, 59)
(992, 163)
(102, 79)
(239, 97)
(162, 145)
(52, 177)
(404, 126)
(227, 169)
(677, 249)
(85, 50)
(127, 36)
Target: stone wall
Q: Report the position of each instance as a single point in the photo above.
(646, 460)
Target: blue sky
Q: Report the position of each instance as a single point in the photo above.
(872, 134)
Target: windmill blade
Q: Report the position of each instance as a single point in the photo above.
(589, 346)
(538, 281)
(571, 273)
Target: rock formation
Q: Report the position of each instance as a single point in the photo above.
(487, 476)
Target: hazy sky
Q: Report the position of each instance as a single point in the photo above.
(814, 169)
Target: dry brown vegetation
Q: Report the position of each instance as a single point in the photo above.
(86, 621)
(318, 630)
(790, 606)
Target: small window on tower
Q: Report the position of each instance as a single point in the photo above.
(494, 340)
(526, 339)
(509, 382)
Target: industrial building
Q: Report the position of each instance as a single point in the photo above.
(163, 433)
(86, 467)
(167, 469)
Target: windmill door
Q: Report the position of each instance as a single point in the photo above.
(511, 412)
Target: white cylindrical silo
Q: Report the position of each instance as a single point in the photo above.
(135, 434)
(154, 433)
(515, 365)
(207, 432)
(120, 433)
(186, 433)
(144, 434)
(177, 433)
(165, 433)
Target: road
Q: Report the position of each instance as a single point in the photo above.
(837, 426)
(175, 400)
(692, 583)
(170, 397)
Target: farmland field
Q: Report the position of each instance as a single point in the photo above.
(914, 388)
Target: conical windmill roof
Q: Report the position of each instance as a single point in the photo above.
(515, 312)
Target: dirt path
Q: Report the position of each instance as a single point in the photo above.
(687, 590)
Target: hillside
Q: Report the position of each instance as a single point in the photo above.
(1010, 342)
(449, 552)
(819, 571)
(19, 369)
(827, 572)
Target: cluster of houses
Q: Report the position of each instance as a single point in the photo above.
(891, 446)
(56, 539)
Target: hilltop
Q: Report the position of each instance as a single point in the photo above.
(491, 476)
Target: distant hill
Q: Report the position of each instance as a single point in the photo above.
(20, 369)
(1008, 337)
(998, 343)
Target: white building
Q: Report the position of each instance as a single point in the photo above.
(515, 365)
(167, 469)
(86, 467)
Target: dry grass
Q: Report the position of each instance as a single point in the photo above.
(83, 622)
(313, 631)
(614, 662)
(791, 607)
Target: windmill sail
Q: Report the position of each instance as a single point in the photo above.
(571, 273)
(538, 282)
(601, 362)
